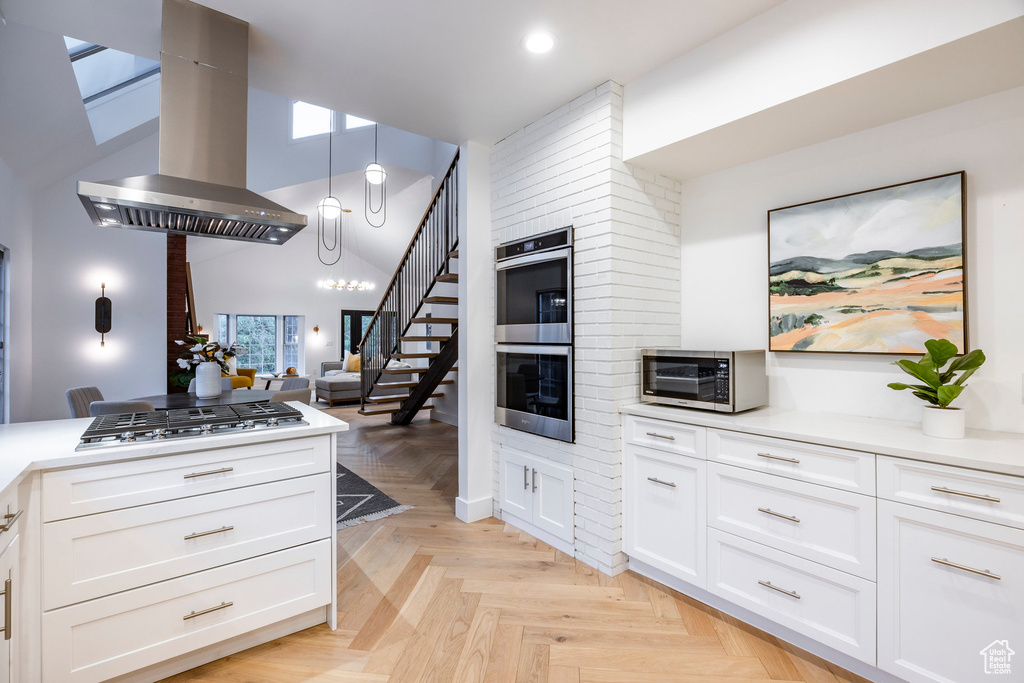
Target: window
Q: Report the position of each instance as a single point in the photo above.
(273, 343)
(353, 326)
(356, 122)
(309, 120)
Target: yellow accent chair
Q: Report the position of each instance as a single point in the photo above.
(243, 380)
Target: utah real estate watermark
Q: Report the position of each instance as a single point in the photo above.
(997, 657)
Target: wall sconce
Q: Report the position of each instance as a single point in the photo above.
(316, 330)
(102, 313)
(199, 329)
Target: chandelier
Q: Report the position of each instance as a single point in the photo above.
(345, 284)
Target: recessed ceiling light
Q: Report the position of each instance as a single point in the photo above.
(272, 239)
(539, 42)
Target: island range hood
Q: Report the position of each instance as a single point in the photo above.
(200, 188)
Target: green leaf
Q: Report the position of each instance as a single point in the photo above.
(948, 393)
(930, 398)
(923, 373)
(970, 361)
(899, 386)
(963, 377)
(940, 351)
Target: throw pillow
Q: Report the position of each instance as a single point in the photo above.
(344, 360)
(353, 363)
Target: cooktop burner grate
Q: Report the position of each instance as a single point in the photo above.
(256, 411)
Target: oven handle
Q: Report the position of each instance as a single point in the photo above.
(556, 255)
(535, 349)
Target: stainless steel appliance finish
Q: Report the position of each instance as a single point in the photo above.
(156, 425)
(723, 381)
(533, 289)
(200, 187)
(535, 389)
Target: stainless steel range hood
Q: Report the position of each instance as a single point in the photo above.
(200, 189)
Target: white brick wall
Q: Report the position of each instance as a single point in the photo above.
(567, 169)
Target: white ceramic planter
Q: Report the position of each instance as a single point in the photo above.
(944, 423)
(208, 380)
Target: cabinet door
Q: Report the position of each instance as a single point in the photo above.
(552, 487)
(950, 596)
(9, 604)
(665, 516)
(515, 485)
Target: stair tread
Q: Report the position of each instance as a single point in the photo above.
(435, 321)
(377, 410)
(397, 398)
(406, 385)
(447, 277)
(425, 354)
(410, 371)
(454, 253)
(424, 338)
(441, 300)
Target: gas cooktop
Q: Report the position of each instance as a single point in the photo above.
(125, 428)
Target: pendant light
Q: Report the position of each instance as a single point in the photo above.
(375, 176)
(329, 212)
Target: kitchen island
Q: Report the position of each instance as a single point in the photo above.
(135, 560)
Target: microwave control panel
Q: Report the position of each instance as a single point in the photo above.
(722, 381)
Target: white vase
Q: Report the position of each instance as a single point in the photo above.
(208, 380)
(944, 423)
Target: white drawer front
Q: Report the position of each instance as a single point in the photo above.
(99, 488)
(981, 495)
(666, 436)
(98, 640)
(835, 467)
(91, 556)
(836, 528)
(664, 512)
(936, 613)
(833, 607)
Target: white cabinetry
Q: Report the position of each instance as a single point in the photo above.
(10, 612)
(664, 513)
(537, 494)
(948, 587)
(153, 559)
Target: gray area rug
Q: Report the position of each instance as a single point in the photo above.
(360, 501)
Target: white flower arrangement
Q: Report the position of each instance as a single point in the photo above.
(203, 351)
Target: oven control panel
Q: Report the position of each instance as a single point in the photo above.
(545, 242)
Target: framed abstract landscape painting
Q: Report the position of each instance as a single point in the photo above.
(880, 271)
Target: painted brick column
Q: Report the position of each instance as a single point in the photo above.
(177, 323)
(567, 169)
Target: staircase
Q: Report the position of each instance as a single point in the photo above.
(419, 308)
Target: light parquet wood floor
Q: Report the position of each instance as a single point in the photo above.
(424, 597)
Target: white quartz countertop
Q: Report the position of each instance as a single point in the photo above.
(28, 446)
(1001, 452)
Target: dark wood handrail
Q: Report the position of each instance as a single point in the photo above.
(408, 249)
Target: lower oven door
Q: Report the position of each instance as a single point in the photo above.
(534, 390)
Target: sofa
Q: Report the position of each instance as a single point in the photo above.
(344, 386)
(243, 380)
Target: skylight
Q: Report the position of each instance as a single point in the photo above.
(356, 122)
(121, 91)
(309, 120)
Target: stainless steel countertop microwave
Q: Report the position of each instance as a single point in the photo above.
(723, 381)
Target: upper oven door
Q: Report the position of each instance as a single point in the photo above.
(696, 380)
(534, 298)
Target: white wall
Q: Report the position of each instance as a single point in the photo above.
(71, 256)
(16, 235)
(724, 255)
(567, 169)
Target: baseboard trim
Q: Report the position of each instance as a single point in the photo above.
(868, 671)
(553, 541)
(473, 510)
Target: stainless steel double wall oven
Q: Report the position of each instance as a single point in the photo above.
(534, 335)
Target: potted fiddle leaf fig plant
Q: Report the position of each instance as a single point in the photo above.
(941, 385)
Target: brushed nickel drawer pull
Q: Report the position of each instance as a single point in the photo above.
(7, 609)
(768, 584)
(194, 614)
(656, 435)
(222, 470)
(534, 481)
(10, 520)
(954, 565)
(779, 457)
(769, 511)
(209, 533)
(526, 476)
(965, 494)
(659, 481)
